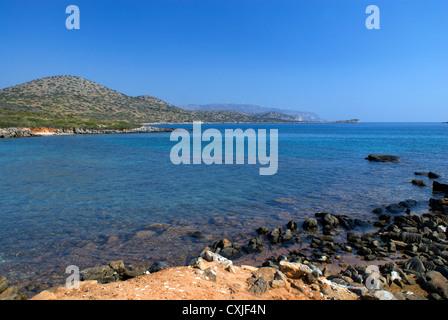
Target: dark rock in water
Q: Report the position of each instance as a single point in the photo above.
(353, 238)
(395, 208)
(380, 224)
(102, 274)
(310, 224)
(409, 203)
(382, 158)
(259, 287)
(439, 205)
(420, 173)
(197, 234)
(329, 220)
(347, 223)
(377, 210)
(226, 249)
(415, 264)
(255, 245)
(292, 225)
(439, 187)
(287, 235)
(262, 230)
(419, 183)
(157, 266)
(432, 175)
(275, 235)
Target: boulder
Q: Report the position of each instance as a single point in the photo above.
(439, 187)
(259, 287)
(415, 264)
(418, 182)
(382, 158)
(310, 224)
(3, 284)
(102, 274)
(395, 208)
(432, 175)
(294, 270)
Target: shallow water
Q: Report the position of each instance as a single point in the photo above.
(87, 200)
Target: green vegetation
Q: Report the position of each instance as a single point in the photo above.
(73, 102)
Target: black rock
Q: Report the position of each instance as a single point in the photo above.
(262, 230)
(395, 208)
(409, 203)
(330, 221)
(275, 236)
(292, 225)
(255, 245)
(433, 175)
(197, 234)
(310, 224)
(411, 237)
(415, 264)
(419, 183)
(439, 187)
(377, 210)
(382, 158)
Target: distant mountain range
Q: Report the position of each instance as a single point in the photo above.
(258, 111)
(74, 102)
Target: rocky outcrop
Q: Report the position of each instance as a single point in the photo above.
(382, 158)
(27, 132)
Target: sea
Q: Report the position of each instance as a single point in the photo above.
(86, 200)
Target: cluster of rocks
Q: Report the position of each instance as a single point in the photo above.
(26, 132)
(9, 292)
(117, 271)
(422, 242)
(16, 133)
(421, 183)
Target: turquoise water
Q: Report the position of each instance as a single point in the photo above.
(87, 200)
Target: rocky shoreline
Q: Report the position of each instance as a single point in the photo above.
(39, 132)
(405, 259)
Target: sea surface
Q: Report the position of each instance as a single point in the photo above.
(86, 200)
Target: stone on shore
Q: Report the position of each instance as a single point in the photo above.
(102, 274)
(294, 270)
(3, 284)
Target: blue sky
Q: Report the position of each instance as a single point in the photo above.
(297, 54)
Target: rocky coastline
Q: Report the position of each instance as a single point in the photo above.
(405, 259)
(40, 132)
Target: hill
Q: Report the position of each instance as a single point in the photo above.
(70, 101)
(261, 111)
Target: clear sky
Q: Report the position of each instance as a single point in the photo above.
(310, 55)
